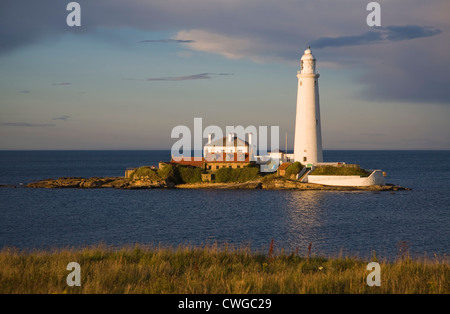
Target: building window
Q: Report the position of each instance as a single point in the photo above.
(217, 167)
(209, 167)
(238, 166)
(301, 83)
(304, 158)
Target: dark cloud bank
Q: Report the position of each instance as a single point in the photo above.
(201, 76)
(62, 118)
(378, 35)
(274, 24)
(165, 41)
(25, 124)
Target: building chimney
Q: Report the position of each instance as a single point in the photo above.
(209, 138)
(230, 137)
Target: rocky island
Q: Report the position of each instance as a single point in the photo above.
(276, 183)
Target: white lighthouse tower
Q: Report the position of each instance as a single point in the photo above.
(308, 135)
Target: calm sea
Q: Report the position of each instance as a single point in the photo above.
(354, 223)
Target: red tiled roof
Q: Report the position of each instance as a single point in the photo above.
(188, 161)
(284, 165)
(212, 158)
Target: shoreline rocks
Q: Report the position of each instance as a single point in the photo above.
(124, 183)
(97, 183)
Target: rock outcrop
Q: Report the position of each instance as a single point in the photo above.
(222, 186)
(93, 183)
(285, 184)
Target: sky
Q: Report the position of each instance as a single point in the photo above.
(136, 69)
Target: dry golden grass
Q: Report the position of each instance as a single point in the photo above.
(210, 270)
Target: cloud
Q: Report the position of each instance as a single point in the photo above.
(269, 31)
(63, 118)
(182, 41)
(200, 76)
(61, 84)
(378, 35)
(231, 47)
(24, 124)
(406, 32)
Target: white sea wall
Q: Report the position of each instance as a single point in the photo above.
(375, 178)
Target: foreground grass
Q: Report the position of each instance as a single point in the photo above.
(211, 270)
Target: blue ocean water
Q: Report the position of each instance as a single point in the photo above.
(353, 223)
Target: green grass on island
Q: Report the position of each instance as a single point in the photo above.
(180, 174)
(340, 171)
(212, 270)
(177, 174)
